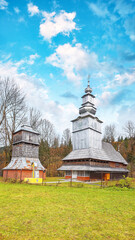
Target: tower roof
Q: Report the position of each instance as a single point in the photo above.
(26, 128)
(88, 101)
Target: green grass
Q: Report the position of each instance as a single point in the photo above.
(31, 212)
(53, 179)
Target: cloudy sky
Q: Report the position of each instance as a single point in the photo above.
(50, 47)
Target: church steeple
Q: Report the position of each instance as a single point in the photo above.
(88, 89)
(88, 101)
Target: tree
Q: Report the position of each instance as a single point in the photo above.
(129, 129)
(7, 92)
(44, 152)
(66, 143)
(109, 133)
(35, 118)
(56, 142)
(47, 132)
(13, 112)
(66, 137)
(120, 139)
(131, 161)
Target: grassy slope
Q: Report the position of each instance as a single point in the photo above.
(44, 212)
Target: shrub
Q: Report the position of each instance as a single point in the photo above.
(126, 182)
(80, 185)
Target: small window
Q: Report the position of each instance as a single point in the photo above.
(87, 174)
(68, 173)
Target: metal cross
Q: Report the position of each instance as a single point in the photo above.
(88, 80)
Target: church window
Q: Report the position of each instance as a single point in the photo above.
(68, 173)
(87, 174)
(80, 173)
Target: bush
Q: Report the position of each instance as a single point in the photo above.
(79, 185)
(126, 182)
(12, 180)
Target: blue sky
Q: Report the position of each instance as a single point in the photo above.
(50, 47)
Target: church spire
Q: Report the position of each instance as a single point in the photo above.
(88, 89)
(88, 101)
(89, 80)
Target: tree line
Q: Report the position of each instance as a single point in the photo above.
(124, 143)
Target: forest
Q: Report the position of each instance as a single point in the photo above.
(53, 148)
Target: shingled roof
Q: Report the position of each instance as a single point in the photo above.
(107, 153)
(24, 163)
(26, 128)
(90, 168)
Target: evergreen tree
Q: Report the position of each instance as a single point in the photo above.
(44, 153)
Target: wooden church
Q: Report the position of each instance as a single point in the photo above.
(91, 159)
(25, 161)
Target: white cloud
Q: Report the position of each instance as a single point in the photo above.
(5, 57)
(55, 4)
(19, 63)
(130, 28)
(125, 78)
(104, 99)
(51, 75)
(99, 9)
(32, 58)
(33, 92)
(124, 7)
(53, 24)
(120, 79)
(3, 4)
(10, 69)
(32, 9)
(37, 96)
(73, 61)
(130, 114)
(21, 19)
(29, 48)
(105, 96)
(29, 60)
(17, 10)
(118, 115)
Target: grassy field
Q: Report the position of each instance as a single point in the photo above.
(30, 212)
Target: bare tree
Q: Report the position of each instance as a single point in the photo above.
(35, 118)
(129, 129)
(47, 131)
(13, 112)
(109, 133)
(66, 137)
(7, 92)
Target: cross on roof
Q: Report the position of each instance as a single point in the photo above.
(88, 80)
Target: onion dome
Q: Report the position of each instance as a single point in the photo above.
(88, 89)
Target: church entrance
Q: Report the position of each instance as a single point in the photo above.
(74, 174)
(106, 176)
